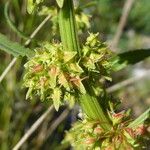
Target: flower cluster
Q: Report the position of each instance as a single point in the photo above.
(96, 62)
(55, 74)
(89, 135)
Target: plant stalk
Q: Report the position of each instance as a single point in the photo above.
(67, 26)
(68, 33)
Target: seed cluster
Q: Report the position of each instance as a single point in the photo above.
(56, 74)
(89, 135)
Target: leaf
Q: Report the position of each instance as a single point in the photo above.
(53, 73)
(11, 24)
(78, 83)
(75, 67)
(81, 87)
(32, 5)
(56, 98)
(120, 61)
(140, 120)
(63, 81)
(14, 48)
(60, 3)
(68, 56)
(70, 99)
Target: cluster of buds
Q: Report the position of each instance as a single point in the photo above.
(56, 75)
(52, 74)
(96, 60)
(89, 135)
(96, 55)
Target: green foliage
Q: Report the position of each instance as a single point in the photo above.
(13, 48)
(81, 17)
(60, 3)
(89, 134)
(59, 76)
(56, 97)
(140, 10)
(11, 24)
(96, 56)
(141, 119)
(49, 71)
(122, 60)
(53, 67)
(33, 5)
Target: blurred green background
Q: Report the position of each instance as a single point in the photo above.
(18, 114)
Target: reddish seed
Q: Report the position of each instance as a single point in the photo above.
(53, 71)
(42, 81)
(89, 141)
(129, 148)
(118, 115)
(140, 130)
(67, 76)
(117, 139)
(75, 81)
(37, 68)
(130, 131)
(98, 130)
(109, 148)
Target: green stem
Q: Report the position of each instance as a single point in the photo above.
(67, 27)
(92, 107)
(68, 32)
(94, 111)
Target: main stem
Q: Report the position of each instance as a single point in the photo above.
(70, 42)
(67, 26)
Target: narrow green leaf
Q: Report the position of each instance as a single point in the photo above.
(60, 3)
(81, 87)
(140, 120)
(120, 61)
(14, 48)
(56, 96)
(11, 24)
(69, 55)
(63, 81)
(75, 67)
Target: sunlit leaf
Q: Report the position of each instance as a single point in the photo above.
(32, 4)
(68, 56)
(53, 73)
(60, 3)
(56, 96)
(140, 120)
(81, 88)
(63, 81)
(75, 67)
(14, 48)
(120, 61)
